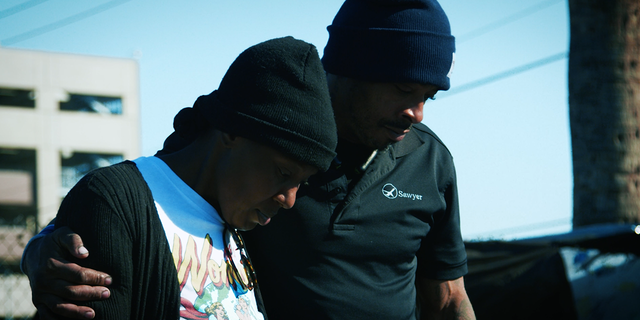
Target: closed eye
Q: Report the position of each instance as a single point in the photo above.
(404, 88)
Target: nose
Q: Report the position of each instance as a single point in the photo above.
(287, 198)
(414, 113)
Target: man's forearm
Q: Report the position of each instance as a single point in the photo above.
(461, 310)
(444, 300)
(28, 256)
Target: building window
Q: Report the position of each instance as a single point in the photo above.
(18, 205)
(76, 165)
(93, 104)
(17, 98)
(17, 186)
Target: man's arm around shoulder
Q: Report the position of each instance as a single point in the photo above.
(55, 282)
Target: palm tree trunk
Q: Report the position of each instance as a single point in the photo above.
(604, 110)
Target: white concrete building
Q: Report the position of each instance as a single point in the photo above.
(61, 115)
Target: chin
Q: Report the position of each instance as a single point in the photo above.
(243, 225)
(373, 144)
(247, 226)
(381, 145)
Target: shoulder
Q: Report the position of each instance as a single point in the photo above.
(121, 179)
(120, 173)
(428, 135)
(421, 139)
(115, 170)
(114, 193)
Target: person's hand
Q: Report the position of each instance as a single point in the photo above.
(443, 299)
(57, 284)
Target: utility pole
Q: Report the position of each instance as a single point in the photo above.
(604, 110)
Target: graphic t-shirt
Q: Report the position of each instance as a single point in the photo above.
(195, 230)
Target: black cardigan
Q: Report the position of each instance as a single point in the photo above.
(112, 209)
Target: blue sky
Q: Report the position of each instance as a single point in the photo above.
(509, 135)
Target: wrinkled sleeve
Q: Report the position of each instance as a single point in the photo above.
(94, 209)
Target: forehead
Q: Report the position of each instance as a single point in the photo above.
(266, 153)
(394, 87)
(419, 86)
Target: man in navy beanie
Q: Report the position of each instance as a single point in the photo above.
(377, 235)
(380, 230)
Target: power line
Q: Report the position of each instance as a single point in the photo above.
(495, 25)
(20, 7)
(504, 74)
(61, 23)
(504, 21)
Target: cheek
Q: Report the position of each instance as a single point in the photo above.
(238, 212)
(233, 195)
(369, 121)
(244, 192)
(361, 117)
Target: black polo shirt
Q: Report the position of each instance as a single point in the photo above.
(350, 247)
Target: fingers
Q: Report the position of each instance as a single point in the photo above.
(56, 292)
(78, 293)
(74, 273)
(55, 247)
(60, 281)
(71, 241)
(57, 284)
(53, 308)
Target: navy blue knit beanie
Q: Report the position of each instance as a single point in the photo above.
(391, 41)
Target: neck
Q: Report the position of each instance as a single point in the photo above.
(352, 152)
(353, 159)
(195, 165)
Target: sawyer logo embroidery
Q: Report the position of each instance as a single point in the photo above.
(390, 191)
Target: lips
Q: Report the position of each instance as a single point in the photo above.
(396, 134)
(263, 219)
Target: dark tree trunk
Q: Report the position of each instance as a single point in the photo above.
(604, 107)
